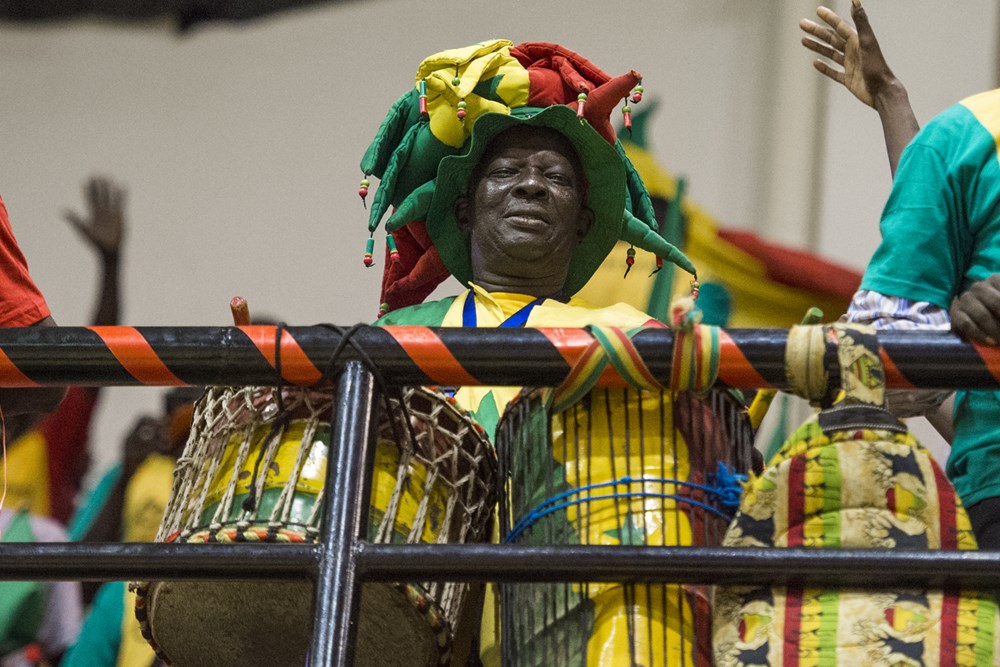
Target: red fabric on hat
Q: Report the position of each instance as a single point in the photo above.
(539, 54)
(417, 273)
(556, 75)
(602, 100)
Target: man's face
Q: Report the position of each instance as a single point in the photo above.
(525, 211)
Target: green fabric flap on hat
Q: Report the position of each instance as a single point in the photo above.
(405, 112)
(638, 233)
(638, 202)
(388, 185)
(414, 207)
(419, 165)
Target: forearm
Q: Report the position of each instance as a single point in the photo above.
(899, 124)
(107, 312)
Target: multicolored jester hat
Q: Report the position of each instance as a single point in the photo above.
(425, 148)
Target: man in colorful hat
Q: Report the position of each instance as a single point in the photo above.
(506, 173)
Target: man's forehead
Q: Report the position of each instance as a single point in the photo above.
(536, 138)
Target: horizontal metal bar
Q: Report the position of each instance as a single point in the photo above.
(505, 563)
(162, 356)
(52, 561)
(866, 568)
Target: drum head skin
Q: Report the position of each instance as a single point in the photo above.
(269, 624)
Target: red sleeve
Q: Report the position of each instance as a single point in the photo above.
(21, 302)
(66, 432)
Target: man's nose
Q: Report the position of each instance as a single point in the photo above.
(530, 184)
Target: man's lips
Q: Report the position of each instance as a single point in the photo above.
(527, 219)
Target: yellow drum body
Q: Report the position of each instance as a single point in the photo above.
(622, 467)
(253, 472)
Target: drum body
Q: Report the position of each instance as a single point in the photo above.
(254, 470)
(621, 467)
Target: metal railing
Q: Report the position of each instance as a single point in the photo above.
(343, 560)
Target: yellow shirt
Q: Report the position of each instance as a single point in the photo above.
(493, 308)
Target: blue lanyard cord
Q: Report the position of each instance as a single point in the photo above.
(724, 493)
(518, 319)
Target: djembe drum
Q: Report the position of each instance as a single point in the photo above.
(618, 467)
(254, 469)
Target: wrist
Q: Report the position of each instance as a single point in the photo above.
(891, 94)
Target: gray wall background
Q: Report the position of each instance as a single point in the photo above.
(239, 144)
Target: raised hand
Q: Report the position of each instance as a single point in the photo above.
(864, 70)
(104, 228)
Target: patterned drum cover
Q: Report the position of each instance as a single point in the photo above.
(622, 466)
(852, 487)
(853, 477)
(254, 469)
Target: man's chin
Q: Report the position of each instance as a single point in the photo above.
(530, 249)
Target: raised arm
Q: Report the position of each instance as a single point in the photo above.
(864, 72)
(104, 231)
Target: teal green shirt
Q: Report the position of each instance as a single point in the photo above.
(941, 233)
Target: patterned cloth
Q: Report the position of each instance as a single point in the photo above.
(893, 312)
(853, 477)
(806, 498)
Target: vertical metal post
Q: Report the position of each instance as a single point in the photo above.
(348, 474)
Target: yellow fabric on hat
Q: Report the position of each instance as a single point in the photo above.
(472, 65)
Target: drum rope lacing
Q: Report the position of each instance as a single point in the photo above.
(346, 338)
(727, 492)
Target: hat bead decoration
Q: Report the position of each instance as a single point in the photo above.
(369, 251)
(363, 191)
(580, 99)
(461, 109)
(390, 243)
(629, 260)
(423, 97)
(627, 116)
(637, 93)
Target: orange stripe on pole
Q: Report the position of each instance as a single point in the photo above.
(569, 343)
(991, 357)
(431, 355)
(296, 367)
(893, 376)
(734, 369)
(11, 375)
(136, 356)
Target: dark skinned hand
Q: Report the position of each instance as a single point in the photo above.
(975, 314)
(104, 228)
